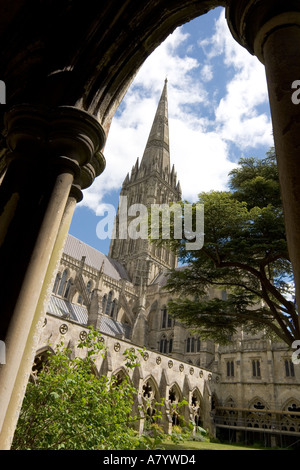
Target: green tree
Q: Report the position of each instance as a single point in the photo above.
(244, 254)
(71, 407)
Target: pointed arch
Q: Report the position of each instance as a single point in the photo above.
(63, 283)
(56, 282)
(175, 394)
(104, 301)
(150, 397)
(196, 407)
(68, 288)
(258, 403)
(174, 397)
(230, 402)
(119, 375)
(40, 361)
(109, 302)
(292, 404)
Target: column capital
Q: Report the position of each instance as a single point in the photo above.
(252, 21)
(63, 137)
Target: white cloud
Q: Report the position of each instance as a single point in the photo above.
(207, 73)
(237, 116)
(203, 125)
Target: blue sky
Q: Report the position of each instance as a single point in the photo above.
(218, 113)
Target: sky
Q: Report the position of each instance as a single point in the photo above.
(218, 112)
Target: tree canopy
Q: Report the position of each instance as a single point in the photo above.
(244, 257)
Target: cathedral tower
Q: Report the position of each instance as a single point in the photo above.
(152, 181)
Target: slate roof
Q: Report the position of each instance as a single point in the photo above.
(94, 258)
(63, 308)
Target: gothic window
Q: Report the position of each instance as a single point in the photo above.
(149, 400)
(294, 407)
(63, 283)
(104, 300)
(114, 309)
(164, 318)
(193, 344)
(258, 406)
(118, 378)
(89, 286)
(167, 321)
(56, 283)
(230, 368)
(109, 302)
(68, 287)
(174, 398)
(256, 368)
(163, 344)
(40, 363)
(289, 368)
(196, 409)
(170, 345)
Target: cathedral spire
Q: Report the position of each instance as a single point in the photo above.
(157, 151)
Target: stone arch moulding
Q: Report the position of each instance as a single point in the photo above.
(154, 386)
(120, 374)
(195, 391)
(257, 400)
(290, 402)
(175, 393)
(82, 59)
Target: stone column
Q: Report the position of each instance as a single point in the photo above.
(54, 154)
(271, 31)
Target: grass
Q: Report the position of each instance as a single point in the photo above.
(194, 445)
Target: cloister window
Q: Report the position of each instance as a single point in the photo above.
(289, 368)
(259, 405)
(230, 368)
(63, 282)
(68, 287)
(56, 283)
(256, 368)
(167, 321)
(193, 344)
(104, 300)
(114, 308)
(89, 286)
(174, 400)
(149, 400)
(163, 344)
(109, 302)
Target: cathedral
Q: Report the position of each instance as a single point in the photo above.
(246, 391)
